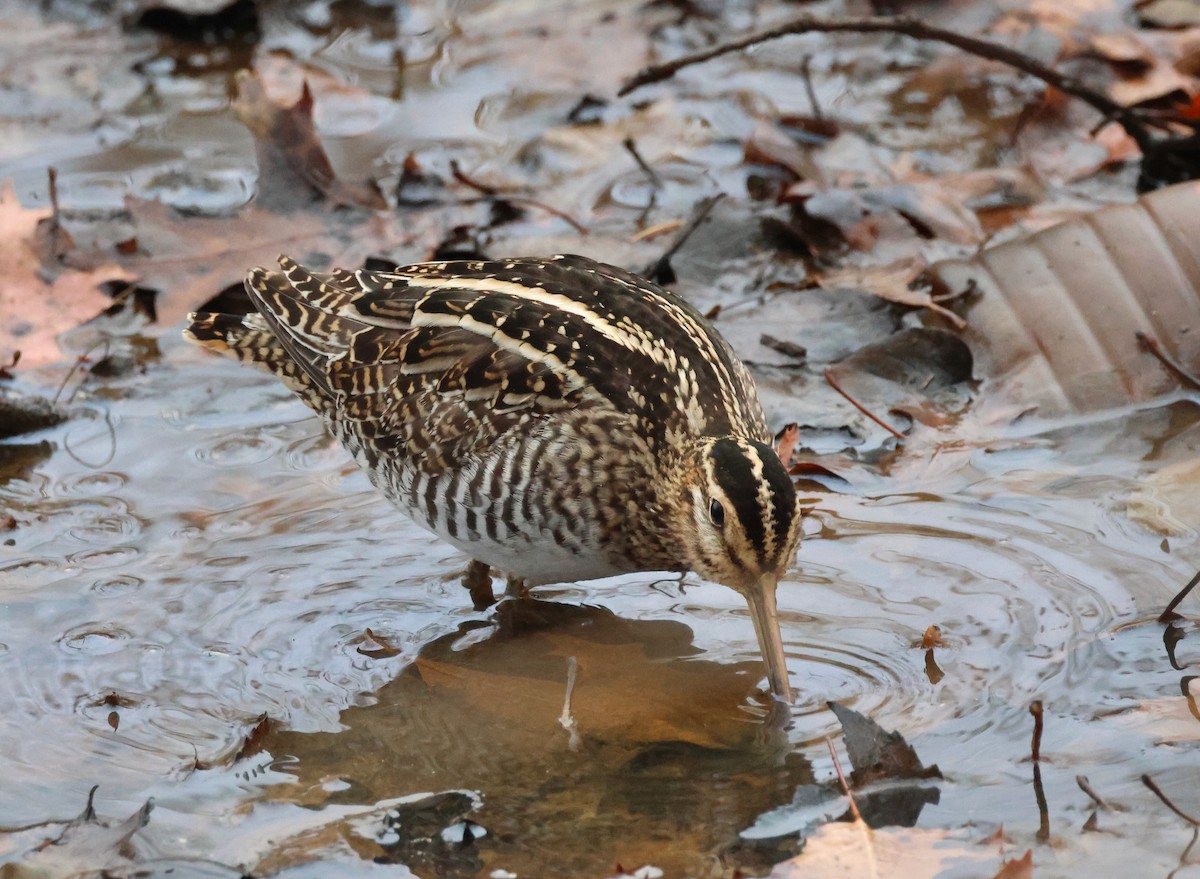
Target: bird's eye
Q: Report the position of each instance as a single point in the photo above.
(716, 512)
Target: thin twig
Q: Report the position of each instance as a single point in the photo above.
(806, 76)
(1039, 791)
(701, 214)
(1036, 745)
(1169, 613)
(632, 149)
(920, 30)
(833, 383)
(462, 177)
(493, 192)
(1152, 345)
(1149, 782)
(79, 361)
(837, 767)
(1086, 787)
(1039, 794)
(550, 209)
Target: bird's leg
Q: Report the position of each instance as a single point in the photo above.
(515, 588)
(479, 583)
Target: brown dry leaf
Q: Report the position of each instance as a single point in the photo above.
(1168, 499)
(1056, 312)
(918, 371)
(890, 282)
(287, 135)
(932, 637)
(1121, 48)
(768, 144)
(1020, 869)
(1117, 142)
(1158, 81)
(854, 851)
(877, 754)
(1170, 13)
(34, 312)
(190, 259)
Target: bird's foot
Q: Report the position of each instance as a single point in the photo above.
(516, 588)
(478, 581)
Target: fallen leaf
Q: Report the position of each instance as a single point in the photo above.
(1170, 13)
(876, 754)
(1167, 500)
(1020, 869)
(1121, 48)
(768, 144)
(33, 310)
(87, 845)
(915, 371)
(890, 282)
(932, 638)
(1161, 80)
(190, 259)
(1056, 313)
(286, 136)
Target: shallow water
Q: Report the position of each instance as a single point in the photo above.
(191, 553)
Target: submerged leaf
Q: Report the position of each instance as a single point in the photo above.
(34, 311)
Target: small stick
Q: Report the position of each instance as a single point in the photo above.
(1169, 614)
(1149, 782)
(919, 29)
(1036, 746)
(806, 75)
(1086, 787)
(550, 209)
(79, 361)
(631, 147)
(833, 383)
(706, 206)
(1039, 792)
(495, 192)
(461, 176)
(657, 229)
(837, 767)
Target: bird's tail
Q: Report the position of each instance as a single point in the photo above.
(248, 338)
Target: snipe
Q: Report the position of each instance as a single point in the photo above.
(556, 419)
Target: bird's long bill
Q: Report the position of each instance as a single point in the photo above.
(761, 598)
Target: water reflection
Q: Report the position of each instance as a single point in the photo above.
(672, 757)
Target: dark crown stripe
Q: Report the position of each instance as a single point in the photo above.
(734, 470)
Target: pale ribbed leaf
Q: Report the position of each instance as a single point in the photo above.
(1057, 313)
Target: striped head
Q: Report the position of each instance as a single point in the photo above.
(738, 524)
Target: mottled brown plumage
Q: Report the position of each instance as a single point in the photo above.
(557, 419)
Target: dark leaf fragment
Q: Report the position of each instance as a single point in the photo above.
(26, 414)
(875, 754)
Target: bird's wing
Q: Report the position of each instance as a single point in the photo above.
(450, 355)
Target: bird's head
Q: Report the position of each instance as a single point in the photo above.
(739, 525)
